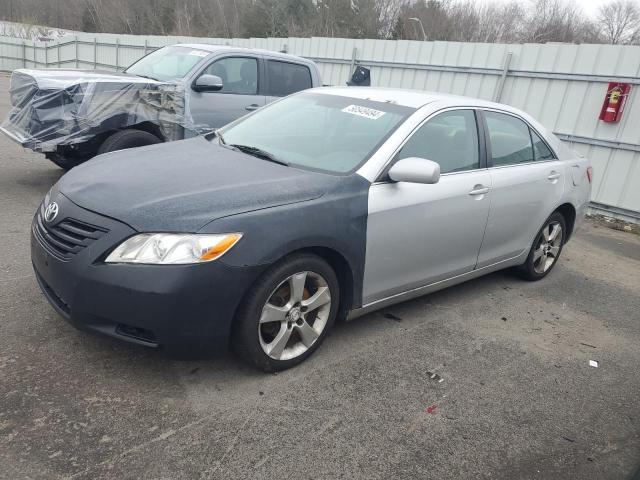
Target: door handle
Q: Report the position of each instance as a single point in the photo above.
(252, 107)
(479, 190)
(553, 175)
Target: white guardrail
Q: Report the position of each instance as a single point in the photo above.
(562, 85)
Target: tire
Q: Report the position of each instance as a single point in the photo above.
(127, 139)
(293, 292)
(546, 248)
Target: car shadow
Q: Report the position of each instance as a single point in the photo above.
(344, 338)
(38, 181)
(503, 279)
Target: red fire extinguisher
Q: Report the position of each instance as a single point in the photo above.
(614, 102)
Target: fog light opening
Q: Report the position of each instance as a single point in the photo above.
(136, 332)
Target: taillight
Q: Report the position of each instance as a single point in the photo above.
(590, 173)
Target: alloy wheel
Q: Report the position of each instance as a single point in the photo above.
(548, 248)
(294, 316)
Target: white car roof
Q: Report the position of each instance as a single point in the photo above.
(409, 98)
(436, 101)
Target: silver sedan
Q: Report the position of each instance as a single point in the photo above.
(329, 203)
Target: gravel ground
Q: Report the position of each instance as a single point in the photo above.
(517, 399)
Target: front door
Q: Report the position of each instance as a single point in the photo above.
(239, 94)
(420, 234)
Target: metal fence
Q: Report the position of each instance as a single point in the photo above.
(562, 85)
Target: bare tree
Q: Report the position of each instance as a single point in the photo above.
(388, 11)
(454, 20)
(620, 20)
(500, 22)
(553, 21)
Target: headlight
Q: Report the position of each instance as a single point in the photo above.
(173, 248)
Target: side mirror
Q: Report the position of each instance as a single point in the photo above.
(415, 170)
(208, 83)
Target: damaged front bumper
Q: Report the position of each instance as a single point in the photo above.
(61, 108)
(28, 142)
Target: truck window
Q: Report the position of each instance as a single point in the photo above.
(239, 74)
(286, 78)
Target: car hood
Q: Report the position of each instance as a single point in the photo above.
(59, 79)
(181, 186)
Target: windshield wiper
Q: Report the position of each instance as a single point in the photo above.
(257, 152)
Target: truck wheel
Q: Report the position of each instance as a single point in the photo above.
(127, 139)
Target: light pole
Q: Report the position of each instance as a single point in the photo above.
(424, 35)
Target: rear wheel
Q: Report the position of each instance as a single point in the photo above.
(287, 314)
(546, 248)
(127, 139)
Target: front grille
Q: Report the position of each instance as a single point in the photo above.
(66, 238)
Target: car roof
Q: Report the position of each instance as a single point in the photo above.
(408, 97)
(232, 49)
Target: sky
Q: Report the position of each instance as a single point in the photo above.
(590, 7)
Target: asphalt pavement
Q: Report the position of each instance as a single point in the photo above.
(517, 397)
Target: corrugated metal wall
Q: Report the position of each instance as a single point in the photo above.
(562, 85)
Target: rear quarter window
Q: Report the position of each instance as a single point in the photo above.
(540, 149)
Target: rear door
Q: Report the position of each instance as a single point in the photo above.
(240, 94)
(420, 234)
(527, 185)
(285, 78)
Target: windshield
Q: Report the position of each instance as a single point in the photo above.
(318, 131)
(167, 63)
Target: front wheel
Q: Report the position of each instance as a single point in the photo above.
(546, 248)
(130, 138)
(287, 314)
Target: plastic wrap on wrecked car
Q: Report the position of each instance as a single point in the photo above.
(68, 107)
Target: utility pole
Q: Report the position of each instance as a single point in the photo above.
(419, 22)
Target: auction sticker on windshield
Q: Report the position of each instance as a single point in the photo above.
(363, 111)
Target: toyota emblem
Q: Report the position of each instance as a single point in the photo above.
(51, 212)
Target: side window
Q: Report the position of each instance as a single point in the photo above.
(239, 74)
(540, 149)
(510, 140)
(450, 139)
(286, 78)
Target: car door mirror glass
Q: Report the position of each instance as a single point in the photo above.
(208, 83)
(415, 170)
